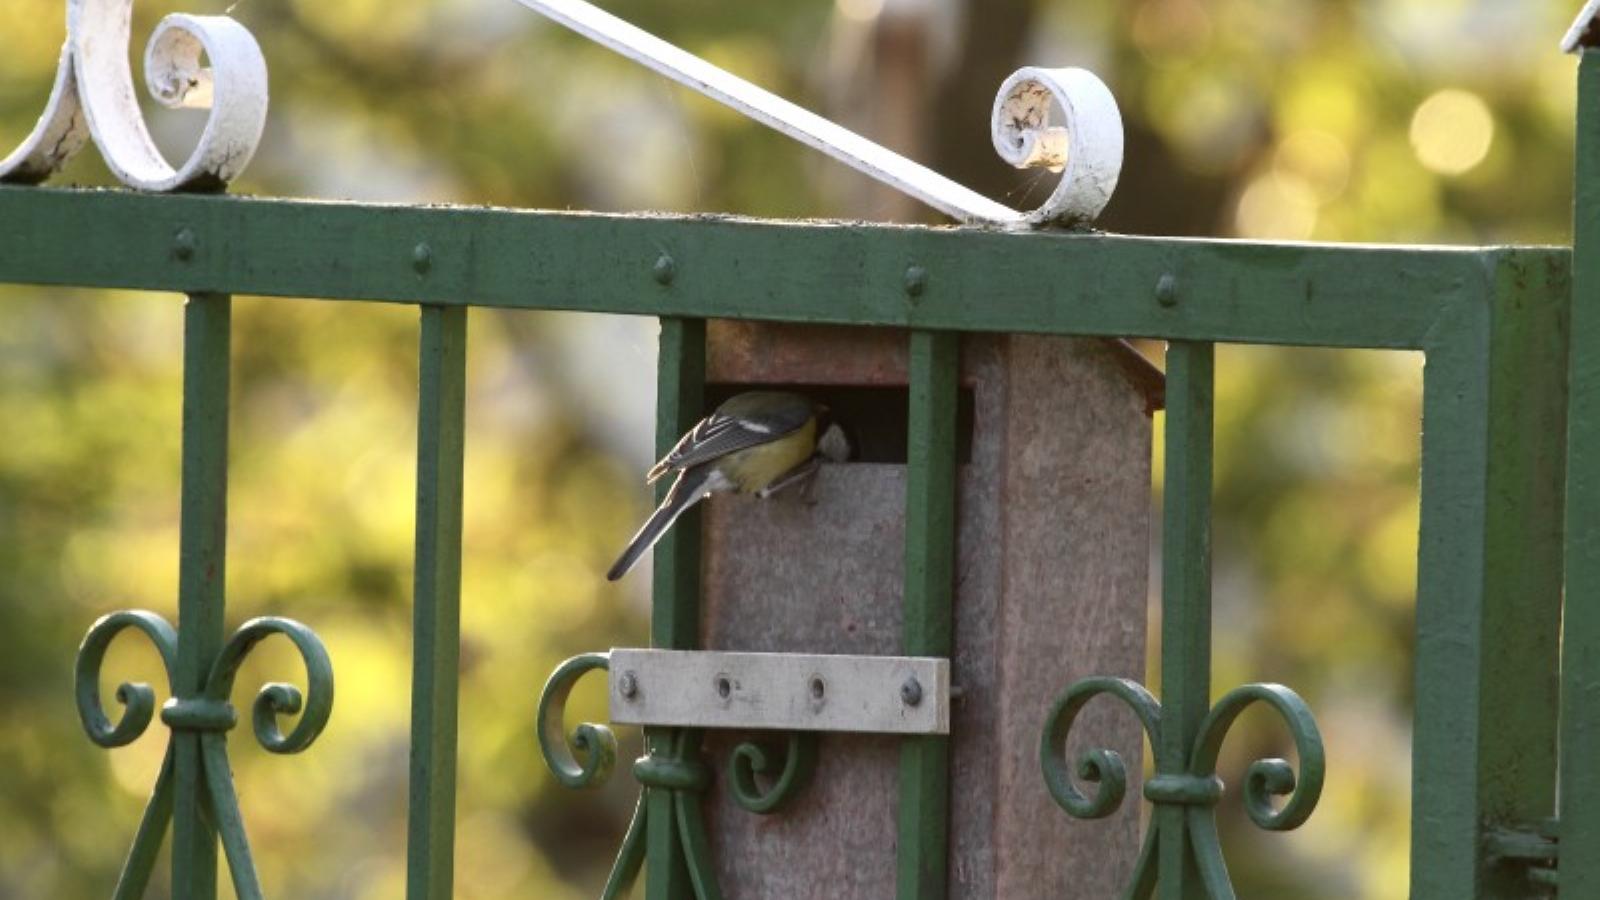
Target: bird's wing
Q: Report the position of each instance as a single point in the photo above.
(720, 434)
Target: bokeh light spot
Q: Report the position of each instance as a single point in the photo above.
(1165, 27)
(1320, 158)
(1278, 206)
(1452, 132)
(859, 10)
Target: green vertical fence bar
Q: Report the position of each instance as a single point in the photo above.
(924, 813)
(1489, 579)
(436, 603)
(1185, 594)
(1580, 648)
(202, 554)
(675, 599)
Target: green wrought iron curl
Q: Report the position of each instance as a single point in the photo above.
(684, 777)
(278, 698)
(1101, 767)
(752, 758)
(138, 699)
(139, 703)
(587, 759)
(1269, 778)
(1196, 787)
(1264, 779)
(211, 715)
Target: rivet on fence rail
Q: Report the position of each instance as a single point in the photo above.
(1167, 291)
(664, 270)
(916, 281)
(184, 244)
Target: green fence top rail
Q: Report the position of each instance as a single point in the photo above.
(965, 279)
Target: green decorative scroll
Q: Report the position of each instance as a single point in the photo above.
(752, 758)
(586, 758)
(1190, 784)
(208, 715)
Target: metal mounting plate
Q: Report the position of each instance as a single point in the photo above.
(783, 691)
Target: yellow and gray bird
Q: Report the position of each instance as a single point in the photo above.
(758, 442)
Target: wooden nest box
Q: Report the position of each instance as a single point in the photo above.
(1051, 585)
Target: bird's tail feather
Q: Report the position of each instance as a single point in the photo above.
(688, 490)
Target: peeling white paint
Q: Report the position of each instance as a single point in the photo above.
(93, 99)
(59, 133)
(1087, 146)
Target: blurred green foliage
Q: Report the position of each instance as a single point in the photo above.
(1362, 120)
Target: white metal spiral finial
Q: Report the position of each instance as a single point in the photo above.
(1086, 147)
(93, 98)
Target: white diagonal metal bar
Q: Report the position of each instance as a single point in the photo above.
(861, 154)
(1582, 27)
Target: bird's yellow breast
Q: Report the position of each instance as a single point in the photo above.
(756, 467)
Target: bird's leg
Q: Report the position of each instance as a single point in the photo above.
(808, 490)
(806, 471)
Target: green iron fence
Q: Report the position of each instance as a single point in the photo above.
(1493, 323)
